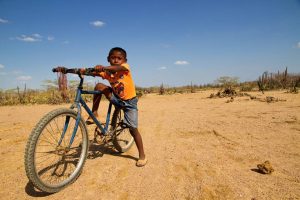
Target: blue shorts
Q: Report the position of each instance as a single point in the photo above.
(130, 109)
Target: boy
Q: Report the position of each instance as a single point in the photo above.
(122, 92)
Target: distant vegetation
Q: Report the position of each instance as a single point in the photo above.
(284, 80)
(53, 94)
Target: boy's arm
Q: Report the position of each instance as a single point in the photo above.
(111, 69)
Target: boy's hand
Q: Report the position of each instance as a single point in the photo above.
(99, 68)
(60, 69)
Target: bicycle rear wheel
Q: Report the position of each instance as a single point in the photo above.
(122, 139)
(50, 162)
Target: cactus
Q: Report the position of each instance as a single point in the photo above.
(192, 88)
(22, 97)
(262, 80)
(295, 85)
(284, 79)
(161, 89)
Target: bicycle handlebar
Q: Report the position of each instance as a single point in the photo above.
(82, 71)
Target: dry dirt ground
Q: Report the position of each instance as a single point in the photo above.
(198, 148)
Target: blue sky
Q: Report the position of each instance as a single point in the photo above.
(174, 42)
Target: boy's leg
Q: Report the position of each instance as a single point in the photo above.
(139, 144)
(106, 90)
(131, 120)
(96, 103)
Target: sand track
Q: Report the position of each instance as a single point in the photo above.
(198, 148)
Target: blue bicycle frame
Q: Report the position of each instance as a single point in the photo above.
(78, 103)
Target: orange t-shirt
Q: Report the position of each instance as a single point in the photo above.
(121, 82)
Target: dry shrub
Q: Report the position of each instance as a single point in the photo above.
(12, 97)
(226, 92)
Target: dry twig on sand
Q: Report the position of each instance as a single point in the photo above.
(265, 167)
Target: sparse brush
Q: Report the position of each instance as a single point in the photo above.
(247, 86)
(139, 93)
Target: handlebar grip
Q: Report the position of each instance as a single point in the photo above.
(90, 70)
(60, 69)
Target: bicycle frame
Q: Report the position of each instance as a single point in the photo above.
(79, 101)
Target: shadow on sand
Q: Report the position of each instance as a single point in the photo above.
(98, 150)
(32, 191)
(257, 170)
(95, 151)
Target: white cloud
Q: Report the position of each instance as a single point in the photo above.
(3, 21)
(298, 45)
(1, 66)
(50, 38)
(162, 68)
(97, 23)
(24, 78)
(66, 42)
(181, 62)
(36, 35)
(33, 38)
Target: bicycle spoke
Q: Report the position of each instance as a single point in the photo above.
(54, 168)
(52, 144)
(49, 161)
(52, 131)
(44, 160)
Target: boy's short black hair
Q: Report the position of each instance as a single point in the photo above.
(118, 49)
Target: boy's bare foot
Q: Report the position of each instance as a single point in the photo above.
(141, 163)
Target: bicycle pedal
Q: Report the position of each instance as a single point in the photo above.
(123, 125)
(98, 136)
(99, 139)
(107, 138)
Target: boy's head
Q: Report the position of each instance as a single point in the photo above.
(117, 56)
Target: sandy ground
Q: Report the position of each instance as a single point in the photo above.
(198, 148)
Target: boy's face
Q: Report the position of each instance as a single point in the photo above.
(117, 58)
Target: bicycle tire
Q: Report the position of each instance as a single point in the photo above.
(45, 135)
(122, 139)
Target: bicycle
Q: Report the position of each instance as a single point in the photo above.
(58, 145)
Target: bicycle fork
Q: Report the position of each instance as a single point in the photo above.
(66, 125)
(78, 117)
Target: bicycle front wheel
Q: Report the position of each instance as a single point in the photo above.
(55, 153)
